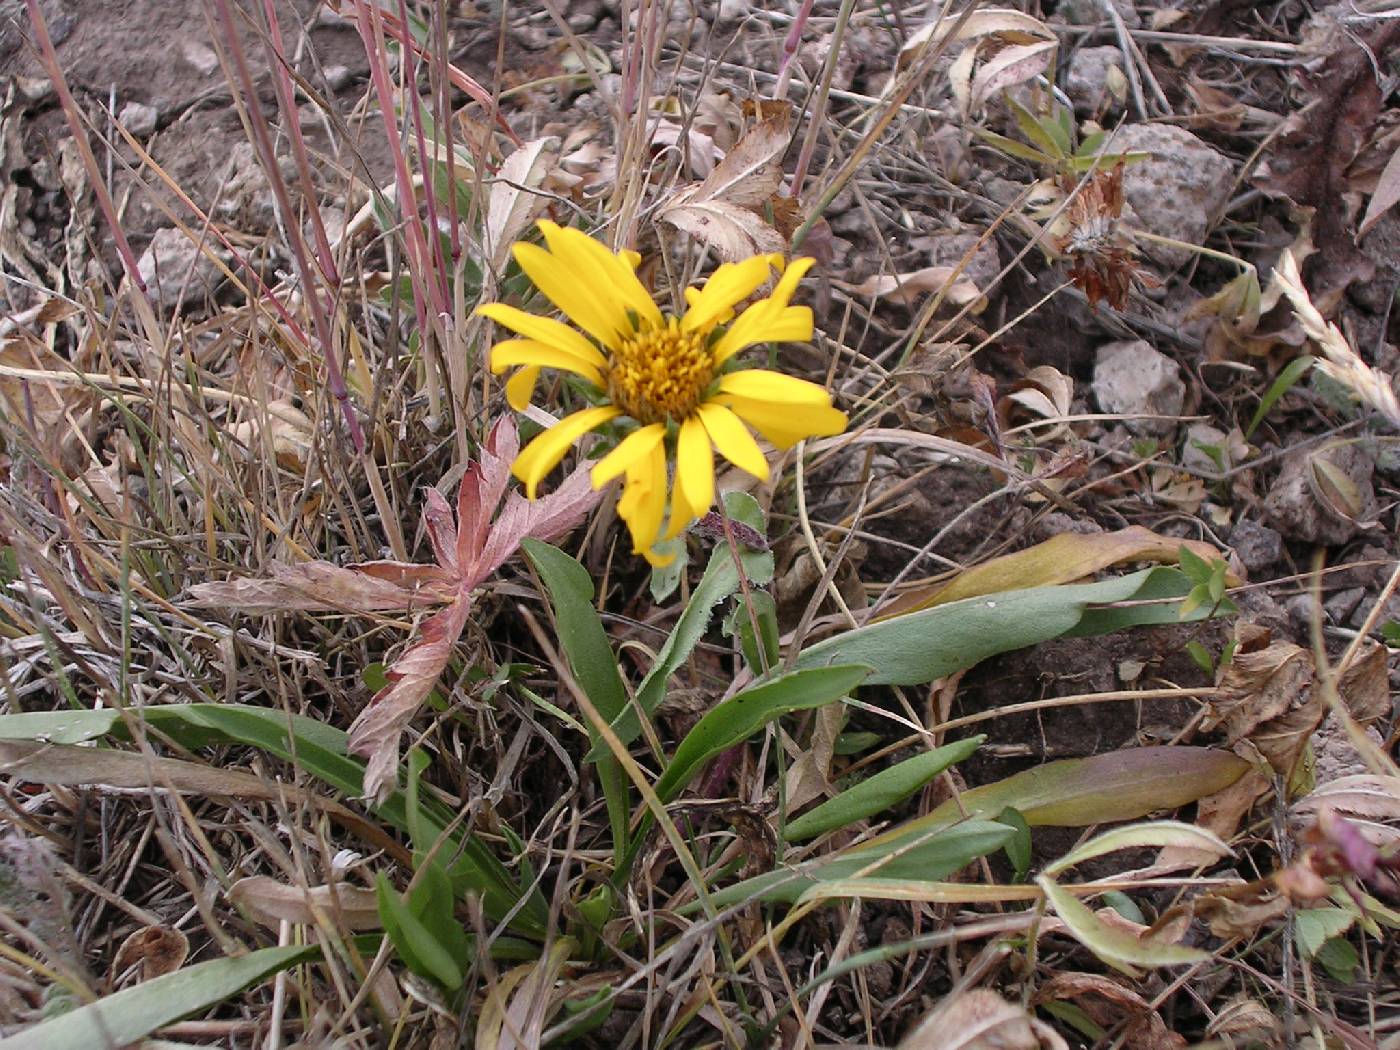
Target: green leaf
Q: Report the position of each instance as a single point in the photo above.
(944, 853)
(581, 632)
(720, 580)
(743, 714)
(881, 791)
(1077, 792)
(1339, 959)
(765, 650)
(666, 578)
(1119, 948)
(1018, 849)
(918, 647)
(419, 949)
(1313, 927)
(1201, 655)
(128, 1016)
(1156, 834)
(585, 644)
(1045, 132)
(1012, 148)
(1196, 568)
(1290, 374)
(1125, 906)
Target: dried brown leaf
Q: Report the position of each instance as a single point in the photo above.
(271, 903)
(513, 203)
(722, 210)
(69, 765)
(979, 1019)
(1310, 156)
(152, 951)
(1111, 1005)
(318, 586)
(909, 288)
(1385, 197)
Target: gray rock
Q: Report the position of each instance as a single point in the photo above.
(176, 272)
(1178, 191)
(1293, 505)
(200, 56)
(1132, 378)
(338, 77)
(138, 118)
(1087, 80)
(1257, 546)
(1091, 12)
(1340, 606)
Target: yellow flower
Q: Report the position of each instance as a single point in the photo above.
(672, 376)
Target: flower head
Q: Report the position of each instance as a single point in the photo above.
(675, 378)
(1104, 256)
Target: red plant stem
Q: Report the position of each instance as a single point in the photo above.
(791, 43)
(438, 274)
(75, 125)
(372, 35)
(257, 124)
(286, 101)
(460, 80)
(442, 113)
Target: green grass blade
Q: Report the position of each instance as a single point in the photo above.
(1291, 373)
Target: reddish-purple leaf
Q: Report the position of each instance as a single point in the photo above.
(375, 733)
(442, 531)
(493, 473)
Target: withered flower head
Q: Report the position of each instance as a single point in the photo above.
(1103, 255)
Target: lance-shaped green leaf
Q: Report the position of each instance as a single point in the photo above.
(1077, 792)
(125, 1017)
(943, 853)
(590, 655)
(881, 791)
(919, 647)
(743, 714)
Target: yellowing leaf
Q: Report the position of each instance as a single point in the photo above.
(1060, 559)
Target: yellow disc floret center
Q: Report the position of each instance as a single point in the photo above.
(660, 373)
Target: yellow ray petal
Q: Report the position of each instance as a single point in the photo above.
(585, 299)
(630, 450)
(734, 442)
(727, 287)
(521, 387)
(542, 330)
(695, 476)
(607, 269)
(764, 322)
(759, 384)
(543, 454)
(514, 352)
(783, 426)
(643, 504)
(787, 284)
